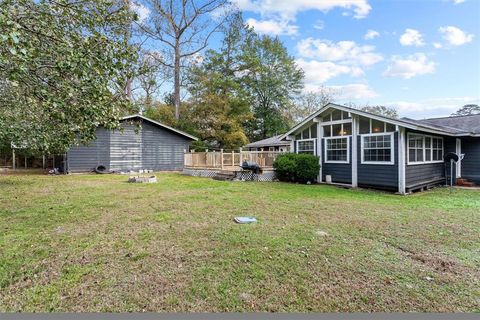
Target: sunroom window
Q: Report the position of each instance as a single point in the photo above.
(424, 149)
(336, 150)
(306, 146)
(377, 149)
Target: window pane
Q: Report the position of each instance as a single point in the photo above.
(345, 115)
(347, 129)
(336, 130)
(326, 118)
(313, 131)
(336, 115)
(337, 149)
(377, 126)
(306, 147)
(298, 136)
(364, 125)
(390, 127)
(306, 134)
(377, 148)
(327, 131)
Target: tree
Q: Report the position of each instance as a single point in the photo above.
(60, 62)
(273, 80)
(182, 29)
(467, 110)
(150, 78)
(309, 102)
(220, 103)
(390, 112)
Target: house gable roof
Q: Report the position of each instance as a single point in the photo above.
(403, 122)
(272, 141)
(161, 125)
(469, 123)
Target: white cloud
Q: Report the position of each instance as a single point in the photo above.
(318, 72)
(141, 11)
(371, 34)
(409, 67)
(411, 37)
(346, 51)
(432, 107)
(289, 8)
(319, 25)
(455, 36)
(273, 27)
(354, 91)
(458, 1)
(437, 45)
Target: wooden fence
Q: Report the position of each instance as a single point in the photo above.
(222, 160)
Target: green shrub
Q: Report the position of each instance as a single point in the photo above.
(292, 167)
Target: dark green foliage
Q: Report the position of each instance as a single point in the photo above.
(292, 167)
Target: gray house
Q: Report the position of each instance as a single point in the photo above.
(359, 148)
(140, 144)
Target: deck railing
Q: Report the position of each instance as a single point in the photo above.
(221, 159)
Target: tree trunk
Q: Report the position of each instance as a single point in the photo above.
(176, 93)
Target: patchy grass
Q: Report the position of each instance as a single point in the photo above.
(97, 243)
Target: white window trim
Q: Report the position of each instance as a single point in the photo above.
(392, 148)
(326, 149)
(314, 145)
(412, 163)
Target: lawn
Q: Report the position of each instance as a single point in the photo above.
(97, 243)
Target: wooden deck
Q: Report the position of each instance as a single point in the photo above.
(230, 161)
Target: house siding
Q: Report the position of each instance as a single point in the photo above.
(162, 150)
(417, 174)
(378, 175)
(471, 161)
(340, 172)
(87, 157)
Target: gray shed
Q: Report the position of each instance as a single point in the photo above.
(141, 144)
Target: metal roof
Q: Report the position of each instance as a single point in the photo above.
(272, 141)
(160, 125)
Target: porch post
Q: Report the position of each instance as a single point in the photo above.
(458, 150)
(319, 147)
(354, 150)
(401, 160)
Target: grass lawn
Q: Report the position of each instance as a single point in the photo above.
(97, 243)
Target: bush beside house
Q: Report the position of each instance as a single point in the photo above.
(292, 167)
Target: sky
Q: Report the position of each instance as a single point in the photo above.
(422, 57)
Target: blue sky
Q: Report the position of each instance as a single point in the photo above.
(421, 56)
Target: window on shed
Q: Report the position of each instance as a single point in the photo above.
(307, 146)
(345, 115)
(336, 150)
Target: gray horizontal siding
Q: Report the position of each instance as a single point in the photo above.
(134, 147)
(162, 150)
(88, 157)
(126, 147)
(340, 172)
(417, 174)
(378, 175)
(471, 162)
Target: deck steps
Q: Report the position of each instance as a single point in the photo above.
(464, 183)
(225, 175)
